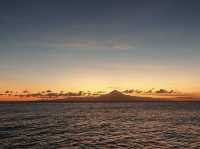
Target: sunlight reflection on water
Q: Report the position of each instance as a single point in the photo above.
(100, 125)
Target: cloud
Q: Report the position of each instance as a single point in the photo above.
(129, 91)
(150, 91)
(164, 91)
(93, 44)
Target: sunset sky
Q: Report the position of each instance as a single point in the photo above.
(100, 45)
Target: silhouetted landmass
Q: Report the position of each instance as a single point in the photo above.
(114, 96)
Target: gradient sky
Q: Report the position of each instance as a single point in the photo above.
(100, 44)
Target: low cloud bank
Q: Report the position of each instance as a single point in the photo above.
(63, 94)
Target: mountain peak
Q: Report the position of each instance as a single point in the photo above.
(114, 96)
(115, 93)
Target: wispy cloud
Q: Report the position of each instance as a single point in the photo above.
(94, 44)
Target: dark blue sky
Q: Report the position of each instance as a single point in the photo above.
(79, 44)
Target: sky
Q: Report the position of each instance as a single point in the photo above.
(100, 44)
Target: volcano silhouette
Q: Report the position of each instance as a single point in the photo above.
(113, 94)
(116, 93)
(116, 96)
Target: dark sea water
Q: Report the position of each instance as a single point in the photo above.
(100, 125)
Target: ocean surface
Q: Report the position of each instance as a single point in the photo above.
(100, 125)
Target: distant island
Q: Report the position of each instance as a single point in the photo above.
(114, 96)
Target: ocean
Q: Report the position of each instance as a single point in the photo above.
(100, 125)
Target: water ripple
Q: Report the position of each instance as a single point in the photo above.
(100, 125)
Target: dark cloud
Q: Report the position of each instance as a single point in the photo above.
(129, 91)
(25, 91)
(150, 91)
(164, 91)
(139, 91)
